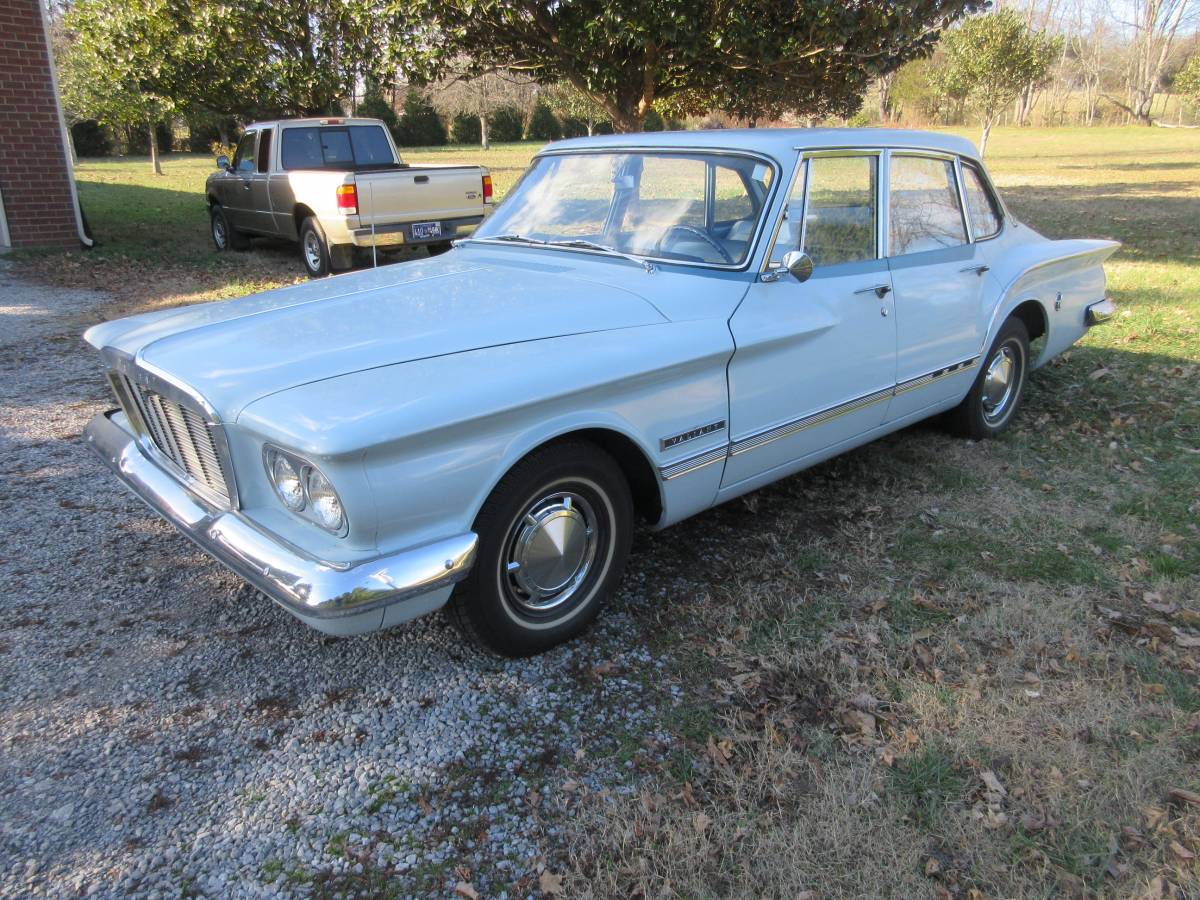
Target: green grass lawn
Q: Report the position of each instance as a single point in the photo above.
(935, 668)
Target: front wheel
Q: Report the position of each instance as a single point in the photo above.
(224, 235)
(998, 389)
(553, 539)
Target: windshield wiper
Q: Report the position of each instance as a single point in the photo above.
(585, 244)
(579, 243)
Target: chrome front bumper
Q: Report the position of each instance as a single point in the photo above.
(336, 598)
(1099, 313)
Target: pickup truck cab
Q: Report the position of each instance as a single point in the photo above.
(334, 184)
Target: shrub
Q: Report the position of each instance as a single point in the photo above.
(138, 143)
(507, 124)
(464, 129)
(90, 139)
(420, 125)
(543, 125)
(653, 121)
(572, 127)
(375, 106)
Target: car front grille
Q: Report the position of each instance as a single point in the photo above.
(184, 436)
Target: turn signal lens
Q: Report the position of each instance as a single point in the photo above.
(347, 199)
(326, 507)
(287, 482)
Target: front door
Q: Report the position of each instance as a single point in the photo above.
(815, 362)
(939, 280)
(237, 199)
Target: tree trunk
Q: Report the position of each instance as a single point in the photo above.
(628, 121)
(983, 140)
(752, 122)
(154, 164)
(483, 132)
(223, 132)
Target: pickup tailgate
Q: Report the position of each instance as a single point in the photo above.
(419, 193)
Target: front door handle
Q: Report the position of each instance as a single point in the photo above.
(879, 290)
(978, 270)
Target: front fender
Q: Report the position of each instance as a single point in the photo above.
(437, 434)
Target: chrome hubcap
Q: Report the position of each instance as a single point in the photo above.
(312, 250)
(551, 551)
(1000, 382)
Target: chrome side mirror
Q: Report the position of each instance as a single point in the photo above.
(796, 263)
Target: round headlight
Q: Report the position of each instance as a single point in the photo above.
(324, 503)
(287, 482)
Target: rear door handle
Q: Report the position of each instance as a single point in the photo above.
(978, 270)
(879, 290)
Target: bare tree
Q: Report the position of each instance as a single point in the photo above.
(1154, 26)
(483, 95)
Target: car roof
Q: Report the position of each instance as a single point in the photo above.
(780, 143)
(316, 120)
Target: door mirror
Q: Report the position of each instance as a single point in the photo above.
(798, 264)
(222, 161)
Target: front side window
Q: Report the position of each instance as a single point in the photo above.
(923, 208)
(839, 219)
(691, 206)
(243, 159)
(985, 216)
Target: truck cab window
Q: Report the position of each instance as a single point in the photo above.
(243, 159)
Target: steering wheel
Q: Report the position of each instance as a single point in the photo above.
(693, 232)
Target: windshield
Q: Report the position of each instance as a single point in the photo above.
(690, 207)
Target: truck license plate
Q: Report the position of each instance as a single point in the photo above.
(424, 230)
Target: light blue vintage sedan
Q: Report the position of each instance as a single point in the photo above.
(648, 325)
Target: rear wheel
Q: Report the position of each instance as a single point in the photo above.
(553, 539)
(314, 249)
(438, 249)
(998, 389)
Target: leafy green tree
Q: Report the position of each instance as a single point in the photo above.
(990, 60)
(543, 126)
(1187, 80)
(568, 102)
(112, 64)
(627, 54)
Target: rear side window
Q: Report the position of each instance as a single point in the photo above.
(985, 215)
(264, 149)
(839, 221)
(923, 208)
(322, 147)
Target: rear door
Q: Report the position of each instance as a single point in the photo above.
(815, 361)
(260, 214)
(938, 279)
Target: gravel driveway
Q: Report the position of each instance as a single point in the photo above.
(164, 729)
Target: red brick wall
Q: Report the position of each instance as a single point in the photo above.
(34, 167)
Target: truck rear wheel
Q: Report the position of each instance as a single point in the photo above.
(314, 249)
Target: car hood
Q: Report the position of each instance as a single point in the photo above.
(236, 352)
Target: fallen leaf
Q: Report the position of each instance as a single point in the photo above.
(605, 669)
(1181, 851)
(549, 883)
(1181, 795)
(466, 889)
(701, 822)
(1099, 373)
(857, 720)
(992, 782)
(1186, 640)
(716, 753)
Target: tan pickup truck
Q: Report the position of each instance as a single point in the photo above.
(335, 184)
